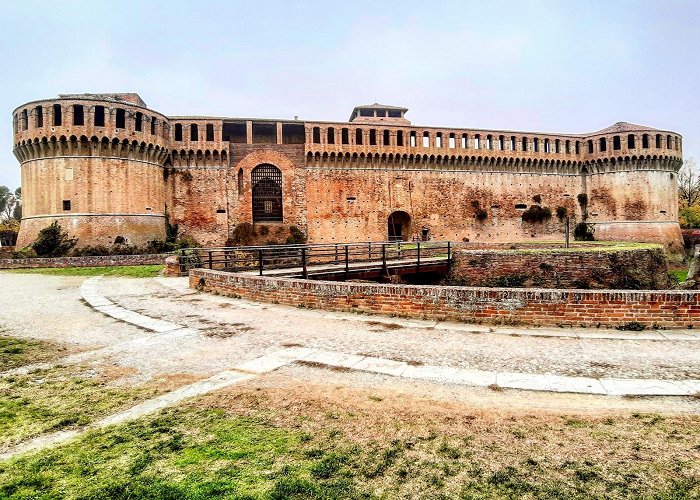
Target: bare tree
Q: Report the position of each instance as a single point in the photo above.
(688, 183)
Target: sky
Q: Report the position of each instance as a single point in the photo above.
(541, 65)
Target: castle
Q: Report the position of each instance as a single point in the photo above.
(110, 169)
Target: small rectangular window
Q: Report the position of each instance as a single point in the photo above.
(138, 123)
(194, 132)
(153, 126)
(78, 115)
(178, 132)
(344, 136)
(399, 138)
(210, 132)
(220, 211)
(66, 205)
(121, 118)
(99, 116)
(372, 137)
(39, 112)
(57, 116)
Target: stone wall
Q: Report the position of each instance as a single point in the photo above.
(587, 268)
(606, 308)
(92, 261)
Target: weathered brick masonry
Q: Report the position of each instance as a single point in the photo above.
(107, 167)
(557, 268)
(605, 308)
(88, 261)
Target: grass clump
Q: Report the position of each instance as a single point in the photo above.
(16, 352)
(146, 271)
(57, 399)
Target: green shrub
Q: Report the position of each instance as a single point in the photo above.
(53, 241)
(584, 232)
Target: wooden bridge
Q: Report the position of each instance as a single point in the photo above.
(335, 261)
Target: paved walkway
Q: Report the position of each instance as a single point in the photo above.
(162, 326)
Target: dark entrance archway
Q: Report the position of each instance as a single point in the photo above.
(399, 226)
(267, 193)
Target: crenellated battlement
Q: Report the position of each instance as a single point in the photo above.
(110, 166)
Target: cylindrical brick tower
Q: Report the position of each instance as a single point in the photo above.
(94, 163)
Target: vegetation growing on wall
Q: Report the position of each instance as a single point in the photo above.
(562, 213)
(537, 213)
(296, 236)
(242, 235)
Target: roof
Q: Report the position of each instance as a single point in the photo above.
(381, 106)
(624, 127)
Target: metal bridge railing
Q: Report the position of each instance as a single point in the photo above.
(262, 258)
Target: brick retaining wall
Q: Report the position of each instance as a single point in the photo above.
(531, 306)
(558, 268)
(91, 261)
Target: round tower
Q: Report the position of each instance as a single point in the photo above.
(94, 163)
(631, 184)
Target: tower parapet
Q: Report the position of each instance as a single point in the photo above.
(94, 163)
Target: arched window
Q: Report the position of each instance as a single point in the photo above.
(557, 146)
(512, 143)
(138, 122)
(266, 181)
(345, 136)
(399, 138)
(438, 140)
(630, 142)
(121, 118)
(154, 123)
(489, 141)
(669, 142)
(590, 146)
(426, 140)
(616, 143)
(386, 140)
(501, 142)
(603, 145)
(210, 132)
(645, 141)
(330, 135)
(578, 147)
(536, 145)
(524, 144)
(99, 116)
(658, 141)
(194, 132)
(178, 132)
(240, 181)
(316, 135)
(412, 139)
(567, 146)
(477, 141)
(372, 137)
(464, 141)
(25, 120)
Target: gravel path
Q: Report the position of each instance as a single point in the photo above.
(237, 330)
(234, 331)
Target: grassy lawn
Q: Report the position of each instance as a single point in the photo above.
(16, 352)
(60, 398)
(125, 271)
(342, 443)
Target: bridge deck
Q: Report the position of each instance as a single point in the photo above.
(429, 263)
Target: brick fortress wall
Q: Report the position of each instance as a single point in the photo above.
(589, 308)
(558, 268)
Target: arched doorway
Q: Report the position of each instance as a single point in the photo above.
(399, 226)
(266, 180)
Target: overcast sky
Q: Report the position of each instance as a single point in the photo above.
(553, 66)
